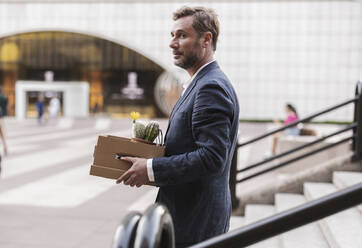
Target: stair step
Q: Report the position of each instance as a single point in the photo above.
(342, 230)
(236, 222)
(293, 238)
(255, 212)
(343, 179)
(284, 201)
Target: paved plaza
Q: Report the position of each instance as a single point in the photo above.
(47, 197)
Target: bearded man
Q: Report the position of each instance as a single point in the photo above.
(193, 176)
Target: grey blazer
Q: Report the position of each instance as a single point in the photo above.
(193, 176)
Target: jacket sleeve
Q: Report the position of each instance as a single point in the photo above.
(212, 116)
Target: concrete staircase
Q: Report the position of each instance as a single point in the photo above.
(290, 178)
(342, 230)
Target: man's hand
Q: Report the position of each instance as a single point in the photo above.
(137, 174)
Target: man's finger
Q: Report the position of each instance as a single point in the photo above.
(129, 180)
(125, 176)
(133, 183)
(129, 159)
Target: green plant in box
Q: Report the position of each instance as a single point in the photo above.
(138, 129)
(152, 131)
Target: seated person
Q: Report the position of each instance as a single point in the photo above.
(292, 116)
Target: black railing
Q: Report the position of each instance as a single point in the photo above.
(357, 143)
(297, 158)
(306, 119)
(287, 220)
(152, 229)
(356, 126)
(126, 231)
(349, 127)
(155, 229)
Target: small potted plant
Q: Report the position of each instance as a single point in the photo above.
(145, 133)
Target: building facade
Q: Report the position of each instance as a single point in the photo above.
(304, 52)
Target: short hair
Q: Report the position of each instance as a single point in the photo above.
(205, 20)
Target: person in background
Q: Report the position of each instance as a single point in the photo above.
(291, 116)
(3, 112)
(40, 108)
(95, 109)
(54, 106)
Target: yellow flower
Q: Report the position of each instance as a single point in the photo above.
(135, 116)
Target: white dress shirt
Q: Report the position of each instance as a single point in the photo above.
(150, 173)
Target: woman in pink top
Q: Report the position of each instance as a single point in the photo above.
(292, 116)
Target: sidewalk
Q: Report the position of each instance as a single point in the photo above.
(48, 199)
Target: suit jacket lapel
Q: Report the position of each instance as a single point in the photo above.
(191, 87)
(188, 91)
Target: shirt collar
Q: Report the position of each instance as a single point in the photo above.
(187, 83)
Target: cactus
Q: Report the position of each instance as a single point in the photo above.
(152, 131)
(138, 130)
(148, 133)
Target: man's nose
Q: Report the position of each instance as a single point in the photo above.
(173, 44)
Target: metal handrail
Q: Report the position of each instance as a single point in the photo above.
(296, 158)
(287, 220)
(306, 119)
(125, 234)
(155, 229)
(356, 144)
(349, 127)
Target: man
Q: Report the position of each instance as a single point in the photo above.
(54, 106)
(3, 112)
(194, 174)
(40, 108)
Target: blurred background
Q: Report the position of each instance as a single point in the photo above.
(88, 63)
(305, 52)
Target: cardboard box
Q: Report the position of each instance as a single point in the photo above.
(109, 147)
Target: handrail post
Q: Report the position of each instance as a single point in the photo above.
(125, 234)
(357, 142)
(232, 181)
(155, 229)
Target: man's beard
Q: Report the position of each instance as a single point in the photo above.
(191, 59)
(188, 61)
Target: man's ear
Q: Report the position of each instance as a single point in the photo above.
(207, 39)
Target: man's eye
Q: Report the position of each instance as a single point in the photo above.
(182, 36)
